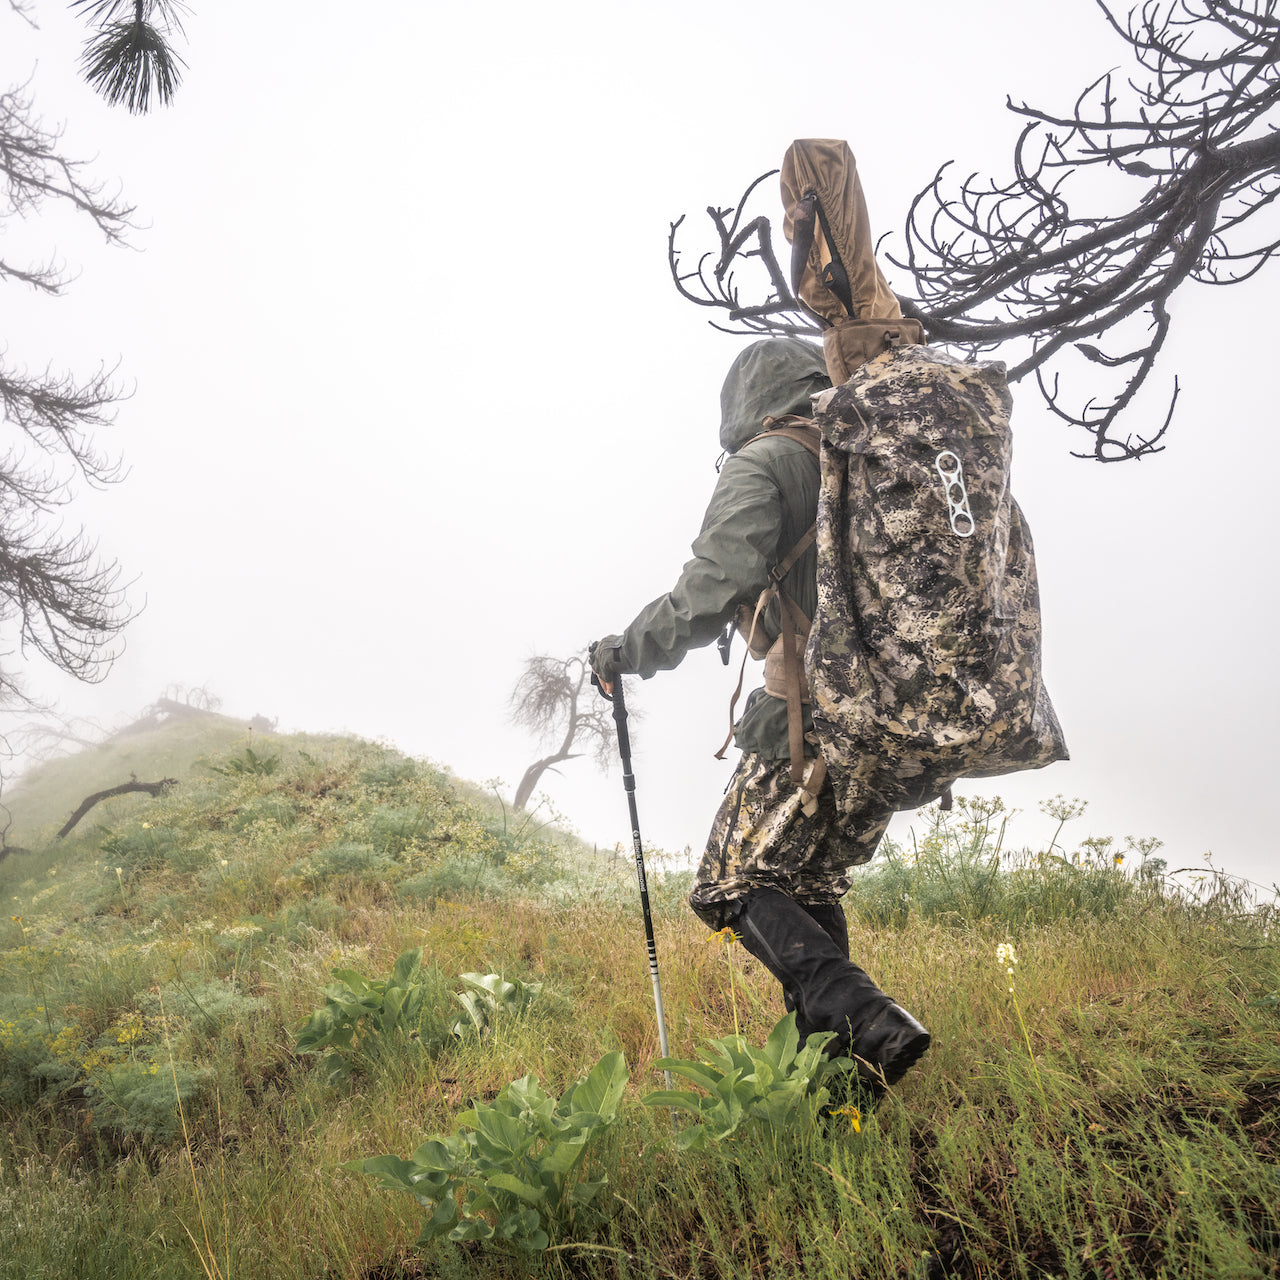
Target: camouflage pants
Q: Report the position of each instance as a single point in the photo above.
(762, 838)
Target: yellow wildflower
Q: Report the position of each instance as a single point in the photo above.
(852, 1113)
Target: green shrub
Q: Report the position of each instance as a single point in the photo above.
(454, 876)
(250, 763)
(24, 1035)
(392, 830)
(206, 1006)
(148, 848)
(960, 873)
(141, 1097)
(344, 859)
(273, 812)
(389, 775)
(361, 1020)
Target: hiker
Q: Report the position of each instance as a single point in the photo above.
(777, 860)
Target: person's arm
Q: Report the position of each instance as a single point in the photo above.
(731, 557)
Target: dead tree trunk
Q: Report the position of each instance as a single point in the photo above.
(535, 771)
(151, 788)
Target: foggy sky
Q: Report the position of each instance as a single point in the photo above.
(413, 396)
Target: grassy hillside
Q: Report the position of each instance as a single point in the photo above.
(46, 796)
(217, 1005)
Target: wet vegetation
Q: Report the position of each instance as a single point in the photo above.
(233, 1015)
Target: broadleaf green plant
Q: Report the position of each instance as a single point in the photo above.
(781, 1086)
(248, 764)
(512, 1171)
(362, 1016)
(357, 1011)
(489, 994)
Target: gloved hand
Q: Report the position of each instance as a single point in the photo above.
(604, 656)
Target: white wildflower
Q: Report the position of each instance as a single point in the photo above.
(241, 931)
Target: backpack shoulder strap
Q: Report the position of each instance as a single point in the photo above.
(809, 777)
(794, 622)
(806, 432)
(802, 430)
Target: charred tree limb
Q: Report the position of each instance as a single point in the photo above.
(1190, 146)
(150, 788)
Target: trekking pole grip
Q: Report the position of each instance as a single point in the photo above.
(624, 735)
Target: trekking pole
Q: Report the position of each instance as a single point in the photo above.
(629, 785)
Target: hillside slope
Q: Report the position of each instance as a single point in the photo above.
(216, 1005)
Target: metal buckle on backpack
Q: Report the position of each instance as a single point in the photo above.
(951, 470)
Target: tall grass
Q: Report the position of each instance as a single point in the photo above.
(1119, 1120)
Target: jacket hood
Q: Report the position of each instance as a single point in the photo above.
(769, 379)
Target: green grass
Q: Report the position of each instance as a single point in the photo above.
(1117, 1115)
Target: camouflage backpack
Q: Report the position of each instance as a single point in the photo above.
(923, 659)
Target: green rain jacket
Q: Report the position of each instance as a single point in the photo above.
(764, 501)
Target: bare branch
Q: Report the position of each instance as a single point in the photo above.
(63, 601)
(125, 788)
(32, 171)
(23, 10)
(1194, 136)
(779, 312)
(55, 413)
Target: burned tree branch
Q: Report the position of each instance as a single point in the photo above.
(125, 788)
(780, 312)
(1038, 261)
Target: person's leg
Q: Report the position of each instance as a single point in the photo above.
(827, 990)
(774, 874)
(830, 916)
(762, 836)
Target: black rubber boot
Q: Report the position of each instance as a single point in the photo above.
(806, 947)
(796, 944)
(890, 1045)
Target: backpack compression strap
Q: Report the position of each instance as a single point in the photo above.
(832, 275)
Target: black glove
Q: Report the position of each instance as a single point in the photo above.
(604, 657)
